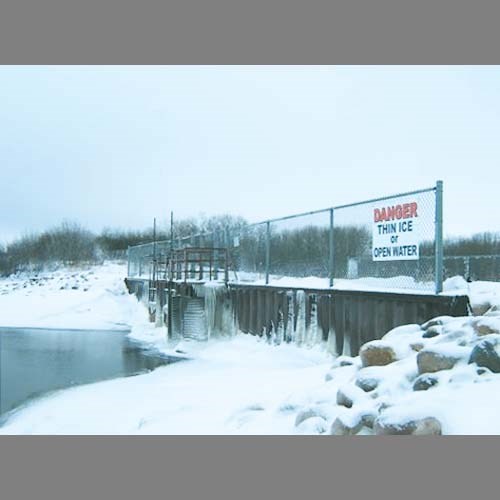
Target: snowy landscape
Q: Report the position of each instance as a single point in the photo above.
(435, 378)
(238, 250)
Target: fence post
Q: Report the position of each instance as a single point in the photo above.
(216, 244)
(128, 261)
(268, 249)
(331, 254)
(438, 238)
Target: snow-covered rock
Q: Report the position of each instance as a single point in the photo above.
(345, 361)
(349, 394)
(308, 413)
(479, 307)
(366, 383)
(486, 325)
(415, 427)
(432, 331)
(416, 346)
(313, 425)
(434, 359)
(424, 382)
(485, 354)
(347, 424)
(377, 353)
(439, 320)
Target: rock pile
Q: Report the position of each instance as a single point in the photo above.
(368, 391)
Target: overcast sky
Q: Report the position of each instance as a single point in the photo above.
(116, 146)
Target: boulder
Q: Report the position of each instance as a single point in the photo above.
(455, 335)
(429, 426)
(416, 346)
(412, 427)
(432, 331)
(346, 426)
(479, 308)
(484, 354)
(425, 382)
(440, 320)
(483, 370)
(313, 425)
(348, 394)
(384, 405)
(306, 414)
(486, 326)
(493, 311)
(402, 332)
(377, 353)
(366, 384)
(344, 361)
(430, 361)
(368, 420)
(343, 399)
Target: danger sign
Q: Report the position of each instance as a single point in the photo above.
(395, 232)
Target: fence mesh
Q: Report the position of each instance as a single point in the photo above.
(473, 267)
(249, 252)
(305, 246)
(299, 246)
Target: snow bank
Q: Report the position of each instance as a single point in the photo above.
(91, 298)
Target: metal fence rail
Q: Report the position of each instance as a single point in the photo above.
(339, 244)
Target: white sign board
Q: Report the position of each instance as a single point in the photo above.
(396, 234)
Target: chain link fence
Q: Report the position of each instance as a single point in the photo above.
(299, 246)
(473, 267)
(387, 243)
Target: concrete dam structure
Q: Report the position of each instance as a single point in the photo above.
(377, 263)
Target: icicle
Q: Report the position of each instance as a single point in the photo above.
(210, 305)
(290, 331)
(218, 312)
(331, 345)
(300, 334)
(228, 326)
(312, 331)
(280, 329)
(346, 351)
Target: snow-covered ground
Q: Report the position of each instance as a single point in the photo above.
(70, 298)
(417, 379)
(396, 284)
(239, 386)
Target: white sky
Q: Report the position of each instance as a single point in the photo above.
(116, 146)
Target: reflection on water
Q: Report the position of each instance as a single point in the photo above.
(36, 361)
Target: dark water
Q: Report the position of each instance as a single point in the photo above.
(36, 361)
